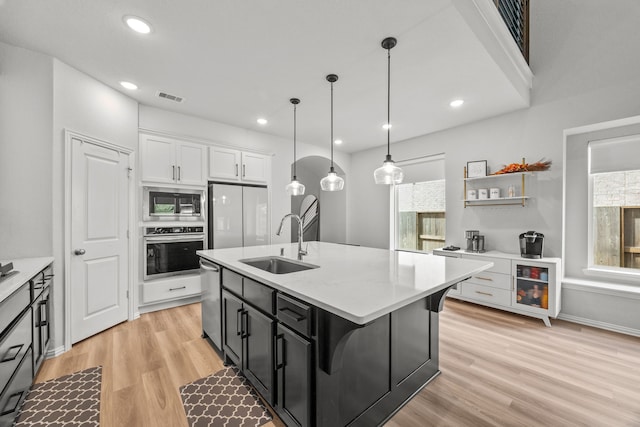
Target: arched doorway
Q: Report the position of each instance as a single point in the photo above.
(332, 205)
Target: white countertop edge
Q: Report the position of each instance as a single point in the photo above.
(499, 254)
(262, 277)
(26, 268)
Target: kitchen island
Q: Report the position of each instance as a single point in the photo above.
(347, 341)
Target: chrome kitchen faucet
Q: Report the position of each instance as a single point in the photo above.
(301, 252)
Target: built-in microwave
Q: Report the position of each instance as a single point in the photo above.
(172, 204)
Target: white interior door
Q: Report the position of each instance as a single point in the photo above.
(99, 246)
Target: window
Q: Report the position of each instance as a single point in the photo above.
(614, 202)
(419, 205)
(421, 216)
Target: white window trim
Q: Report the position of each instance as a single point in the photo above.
(613, 273)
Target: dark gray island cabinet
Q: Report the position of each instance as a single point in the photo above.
(316, 367)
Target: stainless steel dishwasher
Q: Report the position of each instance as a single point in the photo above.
(211, 304)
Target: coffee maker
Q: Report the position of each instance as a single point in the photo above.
(531, 244)
(475, 242)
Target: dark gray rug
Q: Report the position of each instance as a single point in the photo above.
(71, 400)
(223, 399)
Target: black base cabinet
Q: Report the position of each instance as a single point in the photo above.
(247, 342)
(294, 355)
(24, 337)
(232, 328)
(258, 356)
(317, 369)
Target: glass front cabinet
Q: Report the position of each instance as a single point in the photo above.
(535, 287)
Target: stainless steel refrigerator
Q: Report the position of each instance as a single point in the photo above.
(238, 216)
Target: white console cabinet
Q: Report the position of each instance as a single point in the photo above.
(526, 286)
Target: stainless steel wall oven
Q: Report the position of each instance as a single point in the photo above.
(171, 251)
(172, 204)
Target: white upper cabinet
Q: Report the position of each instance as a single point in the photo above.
(171, 161)
(226, 164)
(255, 167)
(191, 159)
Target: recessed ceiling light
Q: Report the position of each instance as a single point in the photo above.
(337, 141)
(456, 103)
(387, 126)
(262, 121)
(137, 24)
(129, 85)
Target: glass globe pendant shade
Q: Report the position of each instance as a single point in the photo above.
(295, 188)
(388, 173)
(332, 182)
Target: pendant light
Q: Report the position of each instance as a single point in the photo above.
(332, 182)
(388, 173)
(294, 188)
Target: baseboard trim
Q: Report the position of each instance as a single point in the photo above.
(168, 304)
(54, 352)
(601, 325)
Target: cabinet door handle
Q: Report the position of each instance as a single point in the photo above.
(8, 356)
(236, 169)
(179, 178)
(244, 317)
(244, 171)
(173, 172)
(291, 314)
(489, 279)
(279, 351)
(484, 293)
(43, 314)
(239, 322)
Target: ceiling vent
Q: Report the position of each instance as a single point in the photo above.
(170, 97)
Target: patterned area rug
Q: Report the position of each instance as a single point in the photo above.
(71, 400)
(223, 399)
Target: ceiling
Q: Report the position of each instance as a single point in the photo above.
(236, 60)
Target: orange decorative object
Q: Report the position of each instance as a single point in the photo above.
(541, 165)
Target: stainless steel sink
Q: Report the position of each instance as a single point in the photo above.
(277, 265)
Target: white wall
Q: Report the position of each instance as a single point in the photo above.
(585, 72)
(26, 101)
(86, 106)
(281, 150)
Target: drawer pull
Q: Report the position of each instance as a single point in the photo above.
(489, 279)
(177, 289)
(484, 293)
(17, 397)
(292, 314)
(8, 357)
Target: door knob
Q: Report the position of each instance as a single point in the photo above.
(79, 252)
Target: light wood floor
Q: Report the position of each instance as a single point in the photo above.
(498, 369)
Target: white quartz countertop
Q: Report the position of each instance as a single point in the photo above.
(497, 254)
(357, 283)
(25, 269)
